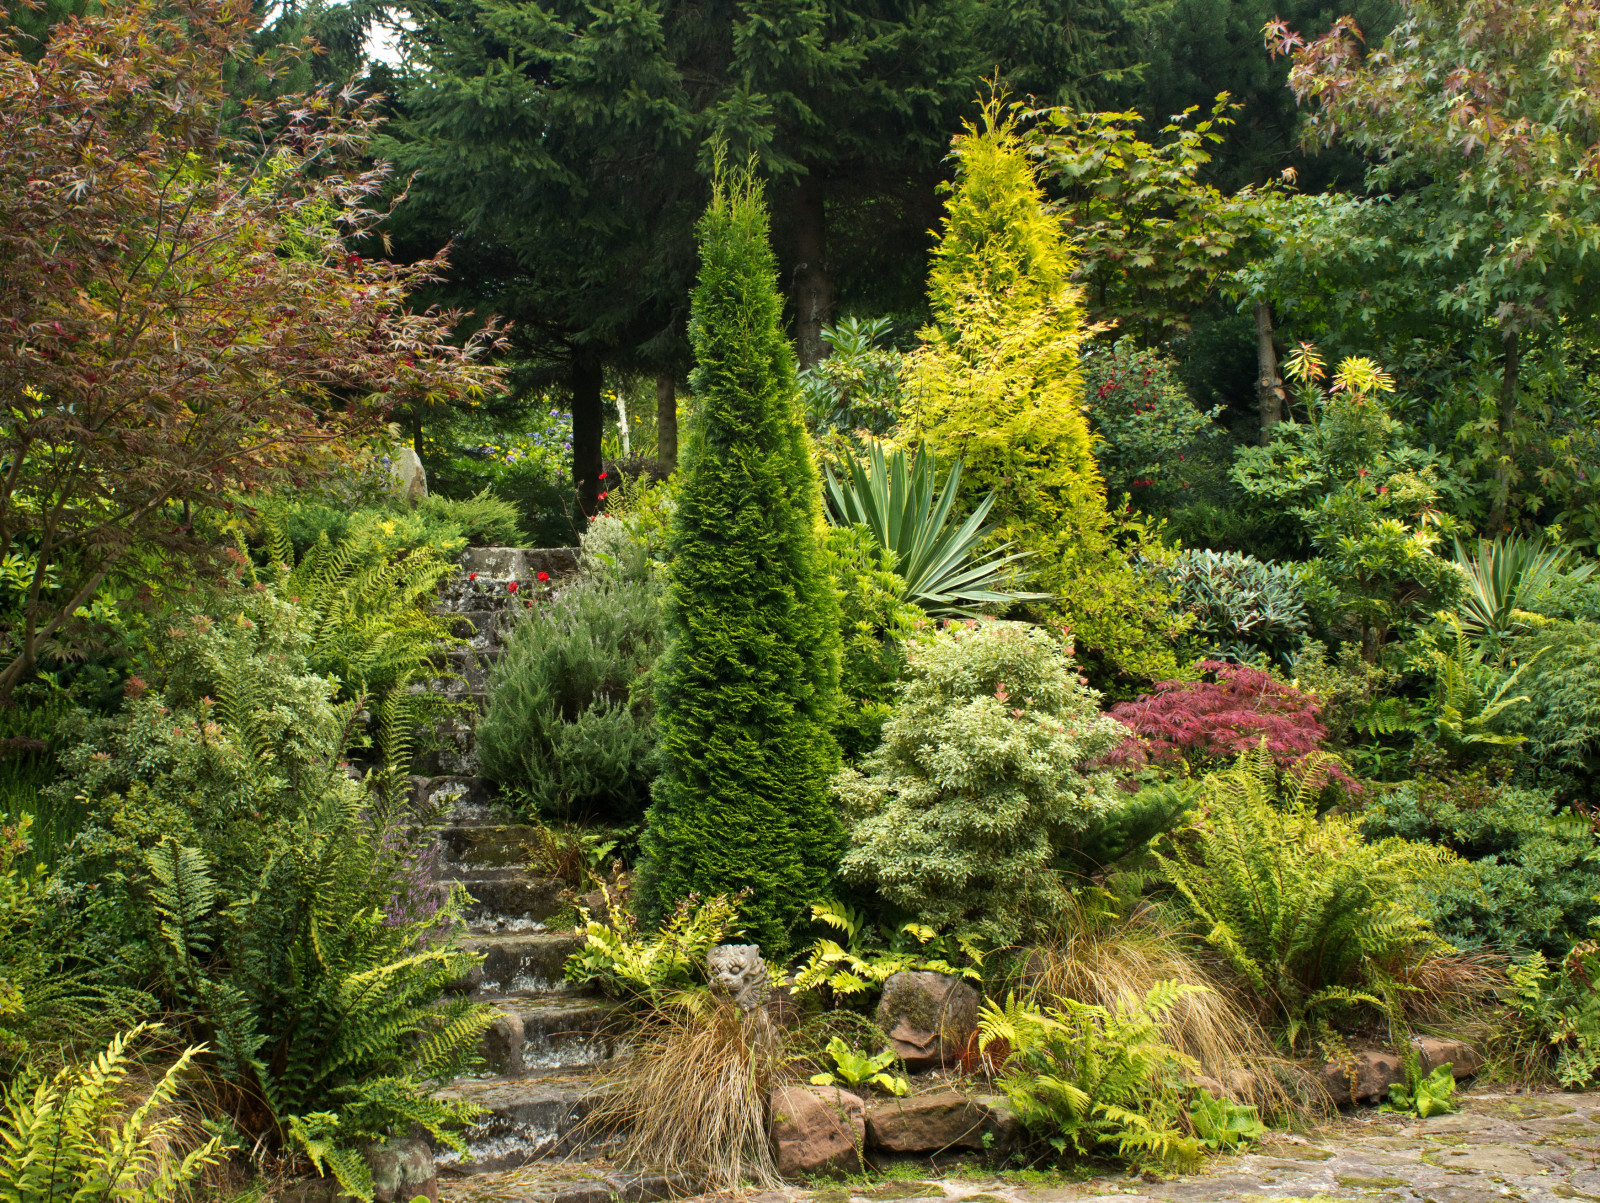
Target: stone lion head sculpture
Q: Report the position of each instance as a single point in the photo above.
(738, 971)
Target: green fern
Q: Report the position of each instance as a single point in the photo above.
(1309, 914)
(1472, 697)
(1089, 1080)
(79, 1136)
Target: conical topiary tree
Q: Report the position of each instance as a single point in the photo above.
(997, 383)
(745, 690)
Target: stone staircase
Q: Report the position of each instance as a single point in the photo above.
(550, 1043)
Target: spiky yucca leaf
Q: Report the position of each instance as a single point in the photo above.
(899, 501)
(1503, 575)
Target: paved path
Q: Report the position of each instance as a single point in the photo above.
(1531, 1148)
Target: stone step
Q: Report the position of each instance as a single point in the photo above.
(501, 564)
(526, 962)
(570, 1182)
(484, 628)
(468, 801)
(507, 894)
(530, 1116)
(491, 845)
(471, 667)
(552, 1031)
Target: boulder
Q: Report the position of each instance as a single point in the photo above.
(407, 467)
(945, 1119)
(1461, 1057)
(929, 1017)
(817, 1130)
(1374, 1072)
(402, 1169)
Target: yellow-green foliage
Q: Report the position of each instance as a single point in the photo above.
(79, 1134)
(997, 383)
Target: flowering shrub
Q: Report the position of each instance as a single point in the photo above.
(1211, 721)
(1150, 432)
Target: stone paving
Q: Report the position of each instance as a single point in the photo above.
(1529, 1148)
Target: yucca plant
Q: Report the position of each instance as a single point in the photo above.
(1308, 913)
(1503, 575)
(898, 499)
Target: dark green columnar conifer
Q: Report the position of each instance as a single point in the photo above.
(747, 687)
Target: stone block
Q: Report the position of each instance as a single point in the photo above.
(943, 1120)
(817, 1130)
(929, 1017)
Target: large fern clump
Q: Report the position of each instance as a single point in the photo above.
(285, 909)
(364, 605)
(980, 779)
(746, 690)
(1308, 913)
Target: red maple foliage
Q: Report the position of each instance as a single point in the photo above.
(1227, 712)
(183, 315)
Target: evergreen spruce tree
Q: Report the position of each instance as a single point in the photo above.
(746, 689)
(996, 382)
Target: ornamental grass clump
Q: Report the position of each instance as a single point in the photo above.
(979, 780)
(693, 1094)
(746, 689)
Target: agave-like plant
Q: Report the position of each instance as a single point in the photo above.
(1504, 574)
(898, 500)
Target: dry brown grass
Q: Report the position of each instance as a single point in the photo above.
(693, 1094)
(1110, 961)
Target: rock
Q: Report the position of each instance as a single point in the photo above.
(412, 476)
(1460, 1056)
(501, 1044)
(1210, 1085)
(402, 1169)
(946, 1119)
(817, 1130)
(929, 1017)
(1375, 1072)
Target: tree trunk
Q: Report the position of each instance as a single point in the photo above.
(1508, 417)
(667, 422)
(813, 289)
(1269, 384)
(588, 420)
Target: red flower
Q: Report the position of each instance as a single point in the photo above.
(511, 586)
(602, 497)
(472, 576)
(602, 476)
(1361, 471)
(544, 576)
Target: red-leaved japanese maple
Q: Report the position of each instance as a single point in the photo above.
(1212, 720)
(182, 311)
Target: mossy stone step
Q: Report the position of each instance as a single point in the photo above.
(510, 893)
(552, 1031)
(528, 1117)
(490, 845)
(565, 1182)
(520, 963)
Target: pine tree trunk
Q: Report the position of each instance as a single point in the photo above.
(1508, 417)
(813, 289)
(666, 422)
(587, 381)
(1269, 384)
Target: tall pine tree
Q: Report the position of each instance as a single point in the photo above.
(747, 687)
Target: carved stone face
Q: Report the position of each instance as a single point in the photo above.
(737, 970)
